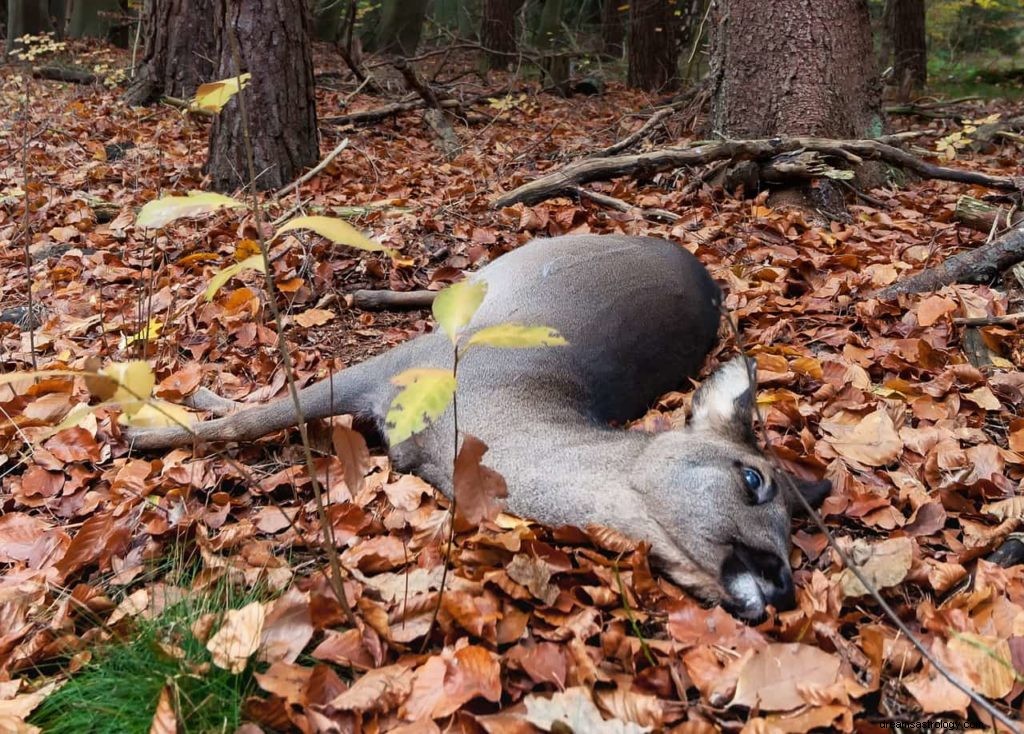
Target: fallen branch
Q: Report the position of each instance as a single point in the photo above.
(629, 141)
(65, 74)
(980, 265)
(984, 217)
(657, 215)
(313, 171)
(566, 179)
(382, 300)
(1005, 320)
(435, 118)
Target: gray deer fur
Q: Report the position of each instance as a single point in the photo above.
(640, 315)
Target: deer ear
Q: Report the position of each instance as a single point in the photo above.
(725, 402)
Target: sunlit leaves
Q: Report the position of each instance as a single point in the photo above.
(132, 384)
(337, 231)
(455, 306)
(253, 262)
(161, 212)
(238, 638)
(425, 395)
(516, 336)
(212, 96)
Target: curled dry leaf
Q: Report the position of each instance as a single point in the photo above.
(884, 564)
(872, 441)
(448, 681)
(238, 637)
(165, 719)
(479, 491)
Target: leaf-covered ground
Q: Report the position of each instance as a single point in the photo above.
(536, 625)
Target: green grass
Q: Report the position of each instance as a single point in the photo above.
(118, 689)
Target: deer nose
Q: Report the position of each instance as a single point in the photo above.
(757, 578)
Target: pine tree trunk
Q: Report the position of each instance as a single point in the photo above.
(791, 67)
(180, 50)
(910, 47)
(26, 18)
(92, 18)
(273, 42)
(653, 53)
(401, 25)
(498, 31)
(613, 28)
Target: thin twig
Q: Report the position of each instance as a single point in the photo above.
(313, 171)
(337, 578)
(26, 231)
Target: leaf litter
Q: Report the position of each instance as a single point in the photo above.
(538, 629)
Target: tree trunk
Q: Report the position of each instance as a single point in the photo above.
(791, 67)
(910, 48)
(92, 18)
(653, 53)
(401, 25)
(273, 43)
(613, 29)
(328, 19)
(498, 31)
(180, 50)
(549, 39)
(26, 18)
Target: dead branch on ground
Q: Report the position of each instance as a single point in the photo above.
(567, 178)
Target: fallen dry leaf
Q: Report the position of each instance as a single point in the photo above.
(238, 637)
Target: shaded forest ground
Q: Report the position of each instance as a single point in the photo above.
(920, 437)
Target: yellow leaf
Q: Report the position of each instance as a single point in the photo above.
(255, 262)
(337, 231)
(426, 395)
(456, 304)
(134, 380)
(163, 211)
(149, 332)
(212, 96)
(987, 662)
(157, 414)
(516, 336)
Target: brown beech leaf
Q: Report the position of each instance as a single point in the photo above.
(873, 441)
(479, 491)
(350, 448)
(574, 710)
(287, 628)
(165, 720)
(313, 317)
(885, 563)
(986, 661)
(380, 689)
(447, 681)
(238, 637)
(779, 676)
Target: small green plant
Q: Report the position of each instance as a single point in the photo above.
(118, 690)
(427, 392)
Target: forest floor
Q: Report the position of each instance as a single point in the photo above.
(102, 547)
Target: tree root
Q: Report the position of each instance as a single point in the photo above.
(565, 180)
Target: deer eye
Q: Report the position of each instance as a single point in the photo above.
(755, 484)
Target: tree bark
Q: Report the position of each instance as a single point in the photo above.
(791, 67)
(498, 31)
(401, 26)
(613, 29)
(180, 50)
(653, 51)
(85, 19)
(273, 44)
(26, 17)
(910, 47)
